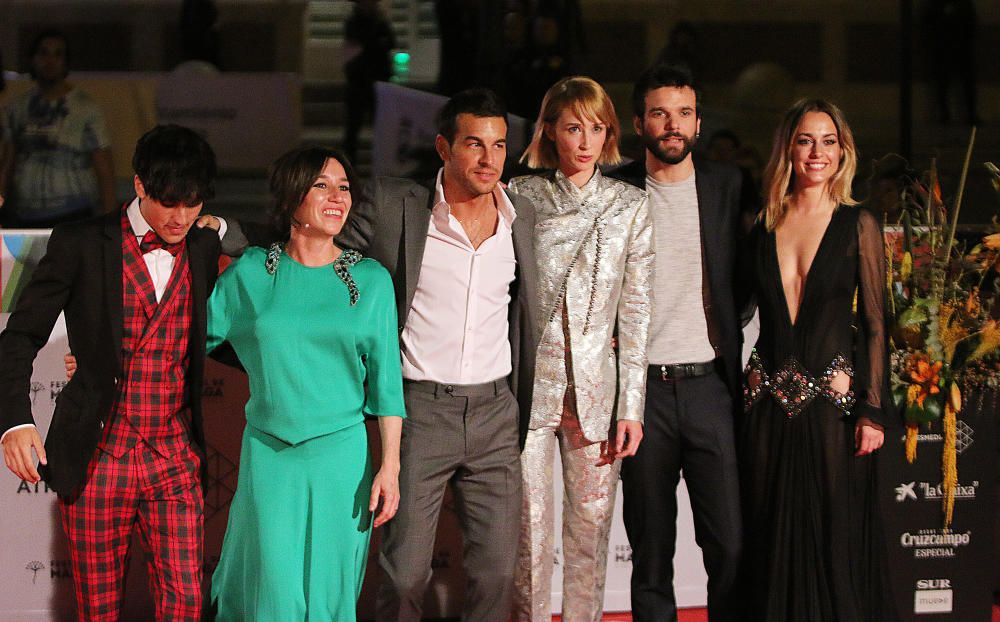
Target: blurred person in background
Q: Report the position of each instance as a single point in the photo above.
(56, 158)
(368, 43)
(198, 32)
(682, 47)
(891, 175)
(458, 23)
(725, 146)
(950, 32)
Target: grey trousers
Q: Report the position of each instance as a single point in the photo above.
(466, 436)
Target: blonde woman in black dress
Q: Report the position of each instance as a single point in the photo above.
(816, 385)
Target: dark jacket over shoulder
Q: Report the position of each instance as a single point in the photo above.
(81, 275)
(719, 206)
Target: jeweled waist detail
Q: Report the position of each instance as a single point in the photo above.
(793, 387)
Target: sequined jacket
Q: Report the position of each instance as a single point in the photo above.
(593, 246)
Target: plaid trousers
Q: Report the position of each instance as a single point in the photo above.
(162, 496)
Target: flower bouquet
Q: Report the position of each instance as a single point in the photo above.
(944, 304)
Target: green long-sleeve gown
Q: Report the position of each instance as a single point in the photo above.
(299, 526)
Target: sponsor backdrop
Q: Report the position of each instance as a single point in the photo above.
(944, 574)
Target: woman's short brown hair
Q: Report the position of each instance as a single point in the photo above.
(293, 174)
(588, 100)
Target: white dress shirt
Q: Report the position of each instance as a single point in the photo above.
(159, 264)
(456, 331)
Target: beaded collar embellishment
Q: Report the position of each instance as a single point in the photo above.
(341, 267)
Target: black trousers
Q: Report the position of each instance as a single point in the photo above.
(689, 427)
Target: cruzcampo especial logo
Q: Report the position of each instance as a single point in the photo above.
(19, 256)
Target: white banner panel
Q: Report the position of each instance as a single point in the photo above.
(35, 578)
(689, 572)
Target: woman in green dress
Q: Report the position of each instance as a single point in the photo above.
(315, 329)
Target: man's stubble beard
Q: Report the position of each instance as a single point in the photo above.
(653, 145)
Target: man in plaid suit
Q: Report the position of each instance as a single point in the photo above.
(126, 445)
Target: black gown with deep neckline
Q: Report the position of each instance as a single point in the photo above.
(813, 542)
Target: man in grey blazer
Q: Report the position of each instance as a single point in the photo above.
(460, 254)
(459, 249)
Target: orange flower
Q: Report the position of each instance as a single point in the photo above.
(992, 241)
(973, 305)
(924, 375)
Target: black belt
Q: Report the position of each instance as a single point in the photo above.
(682, 370)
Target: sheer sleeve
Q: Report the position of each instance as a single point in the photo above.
(872, 391)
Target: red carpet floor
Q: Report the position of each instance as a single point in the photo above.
(683, 615)
(699, 615)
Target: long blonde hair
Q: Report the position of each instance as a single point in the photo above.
(588, 100)
(779, 176)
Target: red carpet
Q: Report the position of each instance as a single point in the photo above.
(700, 615)
(683, 615)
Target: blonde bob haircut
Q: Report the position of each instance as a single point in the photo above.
(778, 176)
(588, 100)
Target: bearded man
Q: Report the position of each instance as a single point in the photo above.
(693, 385)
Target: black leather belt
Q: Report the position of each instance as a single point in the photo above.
(682, 370)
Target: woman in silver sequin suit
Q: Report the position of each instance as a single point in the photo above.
(593, 241)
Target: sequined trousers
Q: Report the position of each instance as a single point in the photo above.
(588, 506)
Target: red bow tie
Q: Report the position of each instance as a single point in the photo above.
(151, 242)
